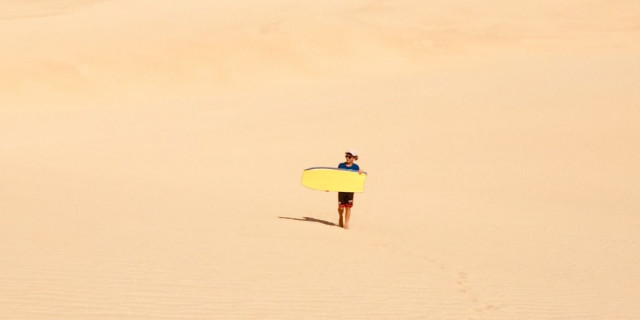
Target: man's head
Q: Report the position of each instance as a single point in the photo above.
(351, 155)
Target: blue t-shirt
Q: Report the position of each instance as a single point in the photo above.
(353, 167)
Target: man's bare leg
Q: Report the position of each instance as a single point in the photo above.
(346, 218)
(341, 211)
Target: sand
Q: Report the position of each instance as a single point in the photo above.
(152, 151)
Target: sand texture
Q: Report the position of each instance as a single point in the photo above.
(151, 155)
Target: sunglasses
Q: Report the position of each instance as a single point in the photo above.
(348, 156)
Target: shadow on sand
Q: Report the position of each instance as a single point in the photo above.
(309, 219)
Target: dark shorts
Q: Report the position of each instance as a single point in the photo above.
(345, 199)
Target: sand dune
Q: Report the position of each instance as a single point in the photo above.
(151, 157)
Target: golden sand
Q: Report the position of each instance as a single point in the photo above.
(152, 152)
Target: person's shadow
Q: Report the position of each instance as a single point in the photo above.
(309, 219)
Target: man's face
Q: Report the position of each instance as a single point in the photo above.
(349, 158)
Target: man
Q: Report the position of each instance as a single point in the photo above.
(345, 199)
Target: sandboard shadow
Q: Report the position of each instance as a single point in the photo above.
(309, 219)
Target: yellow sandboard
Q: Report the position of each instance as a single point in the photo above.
(333, 179)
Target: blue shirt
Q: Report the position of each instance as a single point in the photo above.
(353, 167)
